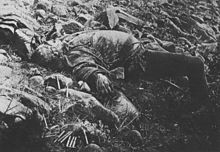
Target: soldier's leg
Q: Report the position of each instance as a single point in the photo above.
(162, 64)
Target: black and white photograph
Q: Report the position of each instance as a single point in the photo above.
(109, 75)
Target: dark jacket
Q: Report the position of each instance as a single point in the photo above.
(100, 52)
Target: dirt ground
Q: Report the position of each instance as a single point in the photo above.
(166, 122)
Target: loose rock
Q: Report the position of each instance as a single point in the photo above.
(33, 102)
(72, 26)
(34, 71)
(40, 13)
(2, 51)
(28, 2)
(59, 10)
(85, 17)
(37, 80)
(3, 59)
(58, 81)
(22, 43)
(5, 73)
(44, 4)
(12, 107)
(74, 2)
(92, 148)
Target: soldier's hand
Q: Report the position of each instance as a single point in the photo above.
(103, 84)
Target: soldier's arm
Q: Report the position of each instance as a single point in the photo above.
(85, 68)
(96, 79)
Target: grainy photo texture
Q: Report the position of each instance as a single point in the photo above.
(109, 76)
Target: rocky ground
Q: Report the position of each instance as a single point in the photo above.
(40, 105)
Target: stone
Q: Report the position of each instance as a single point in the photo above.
(85, 17)
(59, 32)
(91, 148)
(12, 107)
(58, 81)
(28, 2)
(22, 43)
(60, 10)
(2, 51)
(169, 46)
(3, 59)
(40, 13)
(72, 26)
(5, 73)
(74, 2)
(37, 80)
(34, 71)
(44, 4)
(34, 102)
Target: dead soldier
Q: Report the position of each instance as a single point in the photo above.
(92, 55)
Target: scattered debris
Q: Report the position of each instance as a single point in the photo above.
(92, 148)
(58, 81)
(3, 59)
(113, 15)
(34, 102)
(50, 89)
(37, 80)
(5, 74)
(72, 26)
(43, 32)
(43, 4)
(134, 137)
(14, 109)
(59, 10)
(89, 105)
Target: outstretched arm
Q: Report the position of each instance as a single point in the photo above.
(98, 81)
(84, 68)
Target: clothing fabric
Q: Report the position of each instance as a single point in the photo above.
(102, 51)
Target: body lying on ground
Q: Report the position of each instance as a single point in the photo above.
(91, 55)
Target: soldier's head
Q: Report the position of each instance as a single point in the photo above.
(46, 56)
